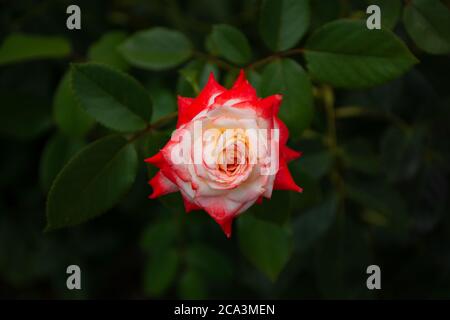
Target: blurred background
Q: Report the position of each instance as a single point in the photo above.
(375, 172)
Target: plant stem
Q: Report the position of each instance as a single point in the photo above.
(254, 65)
(335, 174)
(223, 64)
(328, 100)
(154, 126)
(354, 111)
(274, 56)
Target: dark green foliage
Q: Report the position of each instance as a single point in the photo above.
(81, 110)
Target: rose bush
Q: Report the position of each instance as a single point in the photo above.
(237, 154)
(95, 103)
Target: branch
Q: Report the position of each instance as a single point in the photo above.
(154, 126)
(223, 64)
(274, 56)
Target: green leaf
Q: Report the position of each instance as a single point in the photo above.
(92, 182)
(192, 286)
(19, 47)
(190, 76)
(282, 23)
(205, 71)
(230, 78)
(230, 43)
(69, 116)
(211, 46)
(194, 76)
(105, 50)
(390, 11)
(210, 262)
(57, 152)
(287, 77)
(156, 49)
(113, 98)
(254, 78)
(266, 245)
(15, 124)
(164, 102)
(345, 53)
(160, 272)
(159, 236)
(428, 24)
(314, 223)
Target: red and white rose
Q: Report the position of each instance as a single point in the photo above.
(228, 151)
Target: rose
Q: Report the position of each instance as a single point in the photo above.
(228, 151)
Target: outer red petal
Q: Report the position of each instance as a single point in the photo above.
(183, 104)
(161, 185)
(266, 107)
(241, 90)
(289, 154)
(243, 85)
(160, 162)
(226, 224)
(260, 200)
(221, 216)
(284, 132)
(156, 160)
(284, 180)
(189, 206)
(187, 110)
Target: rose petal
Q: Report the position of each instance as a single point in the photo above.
(161, 185)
